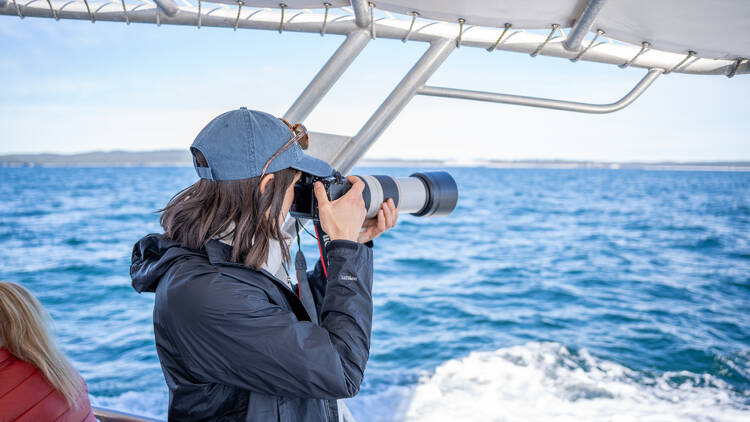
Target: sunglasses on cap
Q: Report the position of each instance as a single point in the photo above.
(300, 136)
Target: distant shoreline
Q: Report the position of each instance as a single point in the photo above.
(182, 158)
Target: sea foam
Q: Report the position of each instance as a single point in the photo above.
(546, 381)
(530, 382)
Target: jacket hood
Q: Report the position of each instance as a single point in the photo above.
(152, 257)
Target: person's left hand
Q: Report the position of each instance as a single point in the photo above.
(374, 227)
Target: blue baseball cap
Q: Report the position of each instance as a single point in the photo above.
(238, 144)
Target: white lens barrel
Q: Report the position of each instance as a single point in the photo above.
(421, 194)
(412, 194)
(373, 195)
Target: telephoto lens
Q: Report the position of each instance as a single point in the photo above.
(427, 194)
(423, 194)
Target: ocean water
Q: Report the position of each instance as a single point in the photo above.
(567, 295)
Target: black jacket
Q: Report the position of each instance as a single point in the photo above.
(236, 344)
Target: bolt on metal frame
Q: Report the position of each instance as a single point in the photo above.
(583, 24)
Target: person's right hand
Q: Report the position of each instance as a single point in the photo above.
(342, 218)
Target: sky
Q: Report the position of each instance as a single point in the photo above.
(74, 86)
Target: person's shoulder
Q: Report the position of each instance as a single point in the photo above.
(26, 395)
(13, 371)
(199, 272)
(55, 407)
(198, 284)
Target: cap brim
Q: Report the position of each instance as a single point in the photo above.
(314, 166)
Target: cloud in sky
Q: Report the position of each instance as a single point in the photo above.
(73, 87)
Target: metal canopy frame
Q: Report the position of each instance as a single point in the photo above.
(329, 20)
(583, 25)
(360, 24)
(623, 102)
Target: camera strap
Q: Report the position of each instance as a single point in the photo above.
(323, 241)
(303, 284)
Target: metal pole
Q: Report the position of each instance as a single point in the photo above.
(400, 96)
(108, 415)
(398, 99)
(328, 75)
(169, 7)
(583, 24)
(361, 13)
(545, 102)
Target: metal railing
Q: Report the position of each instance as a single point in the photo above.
(108, 415)
(494, 97)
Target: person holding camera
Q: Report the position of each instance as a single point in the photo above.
(235, 338)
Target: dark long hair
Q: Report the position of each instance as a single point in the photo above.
(233, 208)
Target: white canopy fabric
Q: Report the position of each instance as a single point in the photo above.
(708, 37)
(718, 29)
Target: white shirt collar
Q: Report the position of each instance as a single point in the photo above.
(275, 262)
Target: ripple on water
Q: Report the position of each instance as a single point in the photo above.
(425, 265)
(640, 280)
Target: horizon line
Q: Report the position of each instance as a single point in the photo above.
(62, 158)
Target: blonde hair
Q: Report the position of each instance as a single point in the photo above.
(23, 330)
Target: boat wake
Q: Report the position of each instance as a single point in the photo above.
(546, 381)
(530, 382)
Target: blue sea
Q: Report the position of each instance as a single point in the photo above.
(567, 295)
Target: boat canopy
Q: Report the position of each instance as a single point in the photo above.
(686, 36)
(681, 36)
(716, 29)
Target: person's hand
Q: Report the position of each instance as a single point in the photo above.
(342, 218)
(374, 227)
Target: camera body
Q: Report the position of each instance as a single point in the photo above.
(305, 204)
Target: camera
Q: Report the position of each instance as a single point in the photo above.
(423, 194)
